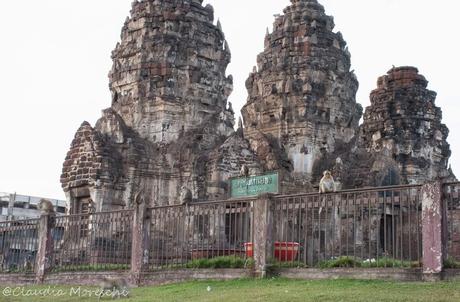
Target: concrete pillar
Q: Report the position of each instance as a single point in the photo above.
(45, 240)
(432, 230)
(263, 245)
(140, 239)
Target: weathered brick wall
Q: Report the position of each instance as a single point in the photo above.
(170, 125)
(403, 123)
(83, 162)
(303, 93)
(169, 109)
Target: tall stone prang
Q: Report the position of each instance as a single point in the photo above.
(302, 93)
(169, 120)
(170, 128)
(404, 125)
(168, 74)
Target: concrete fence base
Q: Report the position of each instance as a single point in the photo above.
(146, 279)
(352, 273)
(184, 275)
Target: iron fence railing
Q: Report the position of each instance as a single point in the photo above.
(96, 241)
(18, 245)
(372, 227)
(451, 203)
(376, 227)
(181, 234)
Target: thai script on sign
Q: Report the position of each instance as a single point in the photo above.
(254, 185)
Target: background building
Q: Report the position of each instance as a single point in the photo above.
(16, 207)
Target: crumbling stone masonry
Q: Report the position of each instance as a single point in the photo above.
(170, 127)
(169, 116)
(403, 123)
(302, 94)
(402, 139)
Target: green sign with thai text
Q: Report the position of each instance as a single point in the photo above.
(254, 185)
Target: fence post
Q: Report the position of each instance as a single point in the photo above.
(45, 240)
(432, 231)
(139, 242)
(263, 233)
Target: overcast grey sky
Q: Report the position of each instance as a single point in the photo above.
(55, 57)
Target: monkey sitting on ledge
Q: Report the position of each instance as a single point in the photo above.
(186, 195)
(45, 206)
(244, 171)
(327, 183)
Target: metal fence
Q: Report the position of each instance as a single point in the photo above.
(180, 234)
(377, 227)
(451, 200)
(374, 227)
(97, 241)
(18, 245)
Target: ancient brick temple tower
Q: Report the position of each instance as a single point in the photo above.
(170, 127)
(403, 124)
(169, 121)
(401, 140)
(303, 93)
(168, 74)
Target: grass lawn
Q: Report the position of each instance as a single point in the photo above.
(278, 290)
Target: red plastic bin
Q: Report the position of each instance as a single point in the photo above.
(284, 251)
